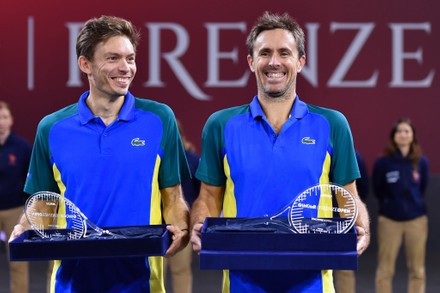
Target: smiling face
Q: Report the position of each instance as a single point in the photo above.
(276, 64)
(404, 135)
(112, 68)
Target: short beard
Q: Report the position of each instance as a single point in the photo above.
(280, 95)
(276, 94)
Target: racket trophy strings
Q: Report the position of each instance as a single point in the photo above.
(323, 208)
(49, 212)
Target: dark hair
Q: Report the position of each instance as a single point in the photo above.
(4, 105)
(271, 21)
(96, 30)
(415, 151)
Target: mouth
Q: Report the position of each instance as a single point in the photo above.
(275, 75)
(122, 81)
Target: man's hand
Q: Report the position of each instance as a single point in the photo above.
(18, 230)
(179, 240)
(196, 238)
(363, 239)
(208, 204)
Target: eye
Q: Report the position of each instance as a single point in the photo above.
(285, 53)
(264, 53)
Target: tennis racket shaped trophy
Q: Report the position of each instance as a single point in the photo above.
(48, 213)
(324, 208)
(290, 239)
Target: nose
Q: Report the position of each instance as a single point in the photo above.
(274, 60)
(124, 65)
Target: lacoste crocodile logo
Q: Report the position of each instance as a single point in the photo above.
(137, 142)
(307, 140)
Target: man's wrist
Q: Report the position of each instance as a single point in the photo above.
(366, 231)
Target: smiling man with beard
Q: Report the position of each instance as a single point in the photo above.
(256, 157)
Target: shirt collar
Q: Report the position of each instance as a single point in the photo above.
(299, 109)
(126, 113)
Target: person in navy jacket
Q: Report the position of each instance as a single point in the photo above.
(15, 153)
(400, 178)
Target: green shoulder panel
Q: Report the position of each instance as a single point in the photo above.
(40, 175)
(211, 164)
(174, 166)
(344, 168)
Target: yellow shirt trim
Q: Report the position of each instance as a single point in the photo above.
(229, 198)
(156, 262)
(327, 275)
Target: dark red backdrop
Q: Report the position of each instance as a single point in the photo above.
(394, 44)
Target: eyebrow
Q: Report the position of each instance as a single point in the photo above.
(106, 54)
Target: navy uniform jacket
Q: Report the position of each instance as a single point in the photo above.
(14, 162)
(399, 188)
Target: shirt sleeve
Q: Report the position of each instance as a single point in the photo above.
(174, 165)
(40, 176)
(210, 169)
(344, 168)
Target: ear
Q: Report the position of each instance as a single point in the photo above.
(250, 61)
(301, 63)
(84, 65)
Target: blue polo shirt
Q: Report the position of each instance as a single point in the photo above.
(262, 172)
(114, 175)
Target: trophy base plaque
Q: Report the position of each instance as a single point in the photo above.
(149, 240)
(267, 248)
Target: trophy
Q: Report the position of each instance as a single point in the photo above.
(47, 212)
(324, 208)
(313, 232)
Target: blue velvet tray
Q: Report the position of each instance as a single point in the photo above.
(262, 247)
(149, 240)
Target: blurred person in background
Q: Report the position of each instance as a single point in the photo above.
(15, 154)
(345, 280)
(400, 178)
(180, 264)
(363, 183)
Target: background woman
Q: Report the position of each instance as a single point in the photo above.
(400, 178)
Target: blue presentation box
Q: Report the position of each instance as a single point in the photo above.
(149, 240)
(269, 249)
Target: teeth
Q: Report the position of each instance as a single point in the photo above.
(122, 79)
(275, 75)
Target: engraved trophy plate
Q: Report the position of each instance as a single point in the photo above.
(325, 208)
